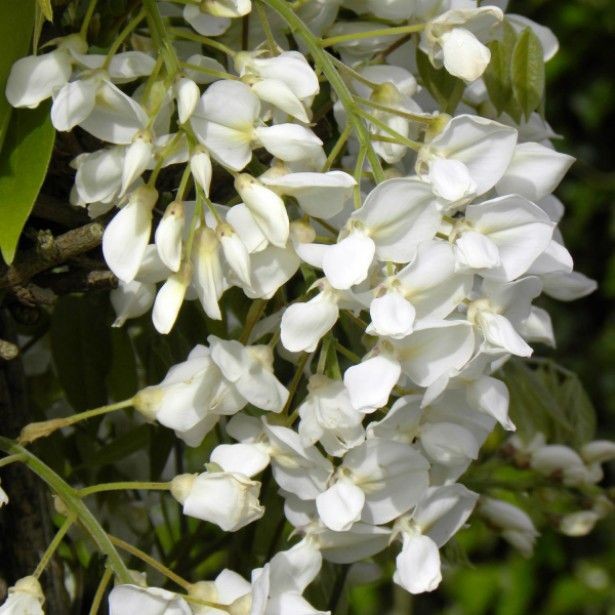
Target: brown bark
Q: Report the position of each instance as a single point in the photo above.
(25, 523)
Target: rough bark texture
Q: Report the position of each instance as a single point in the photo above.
(25, 524)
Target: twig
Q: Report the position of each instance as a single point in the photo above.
(57, 251)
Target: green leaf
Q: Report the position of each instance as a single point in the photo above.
(16, 23)
(23, 164)
(497, 76)
(578, 408)
(81, 348)
(446, 89)
(122, 379)
(528, 72)
(121, 447)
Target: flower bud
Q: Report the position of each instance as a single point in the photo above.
(137, 158)
(227, 499)
(598, 451)
(578, 523)
(187, 94)
(26, 596)
(170, 298)
(234, 251)
(200, 166)
(131, 300)
(267, 208)
(169, 235)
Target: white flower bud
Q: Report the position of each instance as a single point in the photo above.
(234, 251)
(267, 208)
(25, 598)
(169, 235)
(578, 523)
(598, 451)
(200, 165)
(228, 499)
(131, 300)
(187, 94)
(137, 158)
(170, 298)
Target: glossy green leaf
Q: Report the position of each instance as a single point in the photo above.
(528, 72)
(497, 76)
(446, 89)
(81, 348)
(24, 160)
(16, 23)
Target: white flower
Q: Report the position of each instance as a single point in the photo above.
(127, 235)
(228, 499)
(515, 525)
(128, 599)
(327, 416)
(25, 598)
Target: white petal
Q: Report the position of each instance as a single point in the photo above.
(341, 505)
(322, 195)
(476, 251)
(292, 68)
(228, 103)
(370, 382)
(128, 65)
(187, 94)
(35, 78)
(303, 324)
(131, 300)
(74, 103)
(289, 142)
(247, 459)
(520, 230)
(448, 443)
(490, 395)
(267, 208)
(534, 171)
(209, 280)
(127, 235)
(392, 316)
(278, 94)
(169, 235)
(499, 331)
(418, 565)
(347, 262)
(169, 300)
(136, 160)
(235, 252)
(399, 214)
(450, 179)
(484, 146)
(568, 286)
(429, 353)
(464, 55)
(205, 23)
(116, 117)
(242, 221)
(200, 166)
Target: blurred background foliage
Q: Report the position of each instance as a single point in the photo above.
(566, 576)
(483, 575)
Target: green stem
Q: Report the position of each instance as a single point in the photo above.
(10, 459)
(323, 59)
(413, 145)
(160, 36)
(262, 17)
(53, 545)
(87, 18)
(156, 565)
(413, 117)
(294, 383)
(197, 38)
(343, 38)
(42, 429)
(337, 148)
(100, 591)
(121, 37)
(218, 74)
(123, 486)
(254, 313)
(183, 184)
(355, 358)
(74, 505)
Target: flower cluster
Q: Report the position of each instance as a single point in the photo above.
(428, 235)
